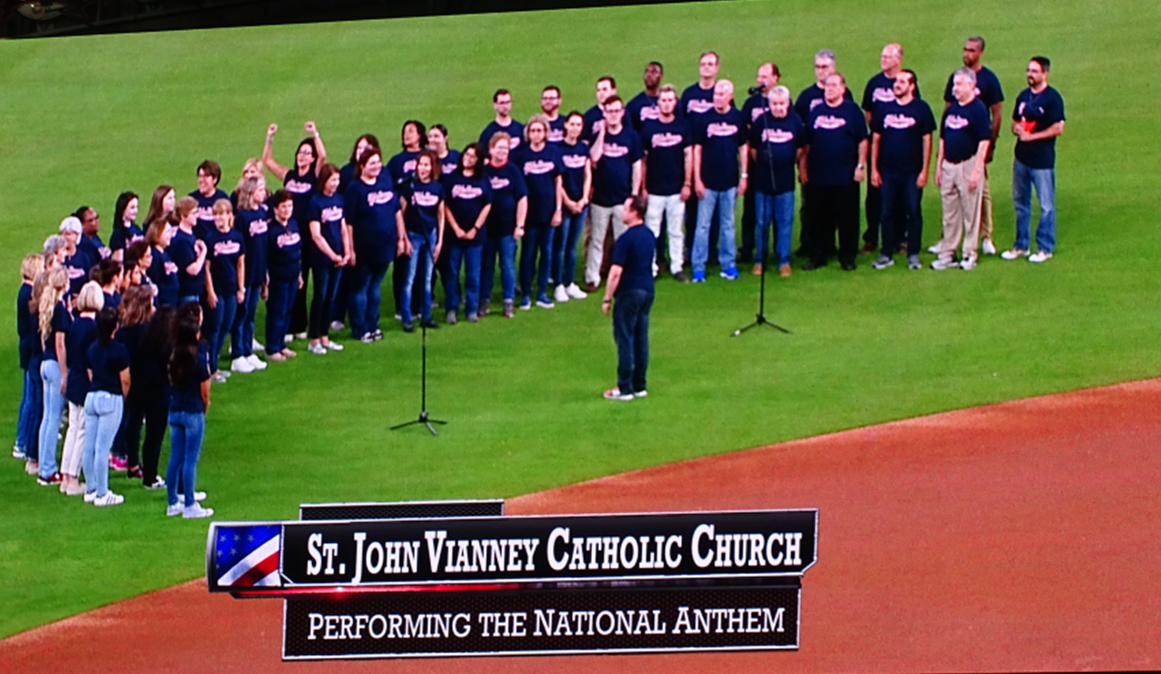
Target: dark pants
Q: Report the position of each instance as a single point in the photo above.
(226, 312)
(365, 297)
(834, 208)
(242, 336)
(298, 314)
(152, 407)
(874, 208)
(631, 332)
(326, 288)
(398, 280)
(343, 296)
(901, 212)
(534, 246)
(279, 299)
(749, 218)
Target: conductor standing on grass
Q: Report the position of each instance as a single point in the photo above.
(631, 286)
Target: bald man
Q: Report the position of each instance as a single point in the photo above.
(720, 159)
(752, 110)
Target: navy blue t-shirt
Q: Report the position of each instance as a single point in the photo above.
(988, 88)
(347, 173)
(112, 300)
(540, 171)
(963, 127)
(78, 268)
(284, 251)
(81, 334)
(107, 361)
(901, 129)
(448, 164)
(514, 129)
(573, 159)
(695, 102)
(753, 109)
(777, 142)
(1037, 112)
(205, 211)
(401, 167)
(556, 129)
(181, 251)
(328, 213)
(833, 135)
(881, 89)
(370, 211)
(641, 109)
(664, 145)
(613, 174)
(222, 252)
(124, 236)
(90, 247)
(466, 196)
(302, 187)
(634, 251)
(592, 116)
(508, 188)
(422, 213)
(188, 397)
(720, 135)
(25, 325)
(253, 224)
(61, 321)
(812, 97)
(163, 273)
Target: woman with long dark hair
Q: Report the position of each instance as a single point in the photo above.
(542, 173)
(423, 218)
(148, 337)
(161, 205)
(467, 200)
(576, 181)
(401, 168)
(108, 363)
(371, 207)
(125, 229)
(449, 160)
(332, 241)
(162, 270)
(189, 379)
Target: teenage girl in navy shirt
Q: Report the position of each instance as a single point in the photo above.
(252, 220)
(467, 201)
(401, 167)
(332, 241)
(162, 270)
(125, 230)
(423, 217)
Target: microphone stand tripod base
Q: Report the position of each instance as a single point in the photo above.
(423, 419)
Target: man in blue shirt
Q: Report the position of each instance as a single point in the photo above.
(959, 172)
(616, 155)
(776, 140)
(720, 158)
(643, 107)
(668, 146)
(754, 107)
(606, 89)
(1036, 122)
(989, 91)
(207, 194)
(879, 91)
(631, 285)
(550, 106)
(502, 104)
(808, 99)
(696, 100)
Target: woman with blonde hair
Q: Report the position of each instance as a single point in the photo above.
(80, 336)
(53, 321)
(30, 400)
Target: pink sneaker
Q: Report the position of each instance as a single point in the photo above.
(117, 463)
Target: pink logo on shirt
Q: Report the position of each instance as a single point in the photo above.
(574, 161)
(332, 214)
(170, 268)
(776, 136)
(955, 122)
(615, 150)
(883, 95)
(227, 248)
(292, 186)
(898, 122)
(425, 199)
(829, 122)
(538, 167)
(665, 139)
(379, 198)
(467, 192)
(288, 239)
(499, 183)
(698, 106)
(721, 130)
(258, 226)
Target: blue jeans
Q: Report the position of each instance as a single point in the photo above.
(102, 419)
(778, 208)
(727, 247)
(226, 311)
(533, 246)
(422, 247)
(186, 430)
(365, 298)
(1044, 180)
(279, 299)
(31, 411)
(900, 212)
(54, 402)
(506, 247)
(470, 258)
(631, 332)
(562, 260)
(242, 336)
(326, 288)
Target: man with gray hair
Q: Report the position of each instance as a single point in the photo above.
(808, 99)
(776, 139)
(959, 172)
(668, 145)
(720, 159)
(754, 107)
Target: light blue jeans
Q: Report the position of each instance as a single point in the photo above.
(422, 248)
(1044, 180)
(54, 402)
(102, 419)
(727, 246)
(186, 430)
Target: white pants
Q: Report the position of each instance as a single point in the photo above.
(601, 217)
(673, 210)
(74, 443)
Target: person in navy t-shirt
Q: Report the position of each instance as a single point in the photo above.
(75, 262)
(631, 286)
(189, 253)
(125, 230)
(252, 221)
(616, 155)
(696, 100)
(505, 224)
(901, 131)
(301, 182)
(541, 165)
(400, 168)
(754, 107)
(90, 244)
(643, 107)
(108, 362)
(371, 207)
(449, 159)
(207, 194)
(423, 216)
(720, 161)
(162, 270)
(225, 292)
(834, 165)
(284, 271)
(776, 141)
(576, 183)
(332, 240)
(550, 106)
(1036, 122)
(502, 104)
(468, 201)
(350, 170)
(668, 145)
(606, 88)
(959, 172)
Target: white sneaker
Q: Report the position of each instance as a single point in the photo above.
(934, 250)
(241, 364)
(109, 499)
(255, 346)
(1014, 254)
(90, 496)
(987, 247)
(968, 264)
(256, 362)
(575, 292)
(333, 346)
(1040, 256)
(300, 336)
(199, 496)
(174, 510)
(289, 338)
(218, 378)
(944, 263)
(196, 511)
(317, 349)
(337, 325)
(560, 294)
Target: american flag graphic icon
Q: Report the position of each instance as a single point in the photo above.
(247, 556)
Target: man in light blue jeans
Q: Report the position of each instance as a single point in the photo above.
(720, 159)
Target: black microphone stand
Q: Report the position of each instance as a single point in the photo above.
(423, 416)
(760, 317)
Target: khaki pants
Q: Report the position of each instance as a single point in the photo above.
(602, 217)
(986, 208)
(961, 209)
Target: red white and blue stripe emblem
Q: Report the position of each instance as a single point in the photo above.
(247, 556)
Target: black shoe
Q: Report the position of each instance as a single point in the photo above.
(408, 327)
(812, 265)
(430, 324)
(848, 266)
(680, 277)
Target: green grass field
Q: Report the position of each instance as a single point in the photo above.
(84, 118)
